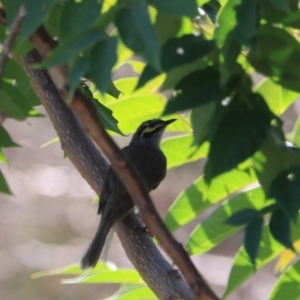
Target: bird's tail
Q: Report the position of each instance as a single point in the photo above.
(100, 242)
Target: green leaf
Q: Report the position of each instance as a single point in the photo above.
(78, 16)
(201, 118)
(102, 59)
(273, 157)
(280, 228)
(53, 18)
(137, 66)
(110, 276)
(13, 70)
(277, 97)
(14, 104)
(27, 90)
(77, 70)
(248, 20)
(197, 88)
(199, 196)
(176, 7)
(127, 85)
(215, 228)
(241, 133)
(296, 133)
(5, 139)
(106, 117)
(252, 238)
(176, 75)
(166, 26)
(3, 185)
(137, 33)
(133, 292)
(243, 268)
(275, 54)
(133, 110)
(51, 142)
(72, 46)
(226, 20)
(74, 269)
(3, 158)
(244, 216)
(178, 150)
(285, 188)
(230, 53)
(112, 90)
(177, 52)
(287, 286)
(36, 11)
(281, 4)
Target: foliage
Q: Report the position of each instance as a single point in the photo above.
(208, 60)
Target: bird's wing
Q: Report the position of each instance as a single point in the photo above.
(111, 183)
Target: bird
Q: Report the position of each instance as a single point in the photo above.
(115, 203)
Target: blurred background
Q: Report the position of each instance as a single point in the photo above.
(50, 219)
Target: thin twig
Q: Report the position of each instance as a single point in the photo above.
(14, 31)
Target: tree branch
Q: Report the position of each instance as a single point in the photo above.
(139, 247)
(89, 118)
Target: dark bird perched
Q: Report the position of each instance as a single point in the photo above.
(115, 203)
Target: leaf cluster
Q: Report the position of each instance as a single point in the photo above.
(205, 56)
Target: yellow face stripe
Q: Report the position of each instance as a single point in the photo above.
(151, 129)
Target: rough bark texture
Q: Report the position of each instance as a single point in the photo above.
(160, 276)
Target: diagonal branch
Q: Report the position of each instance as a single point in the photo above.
(89, 118)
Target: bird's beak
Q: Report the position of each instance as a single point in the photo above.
(167, 122)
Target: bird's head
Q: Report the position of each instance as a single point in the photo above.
(151, 131)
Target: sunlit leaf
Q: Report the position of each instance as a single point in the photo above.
(215, 228)
(287, 257)
(199, 196)
(242, 267)
(133, 292)
(179, 150)
(287, 286)
(110, 276)
(3, 158)
(51, 142)
(277, 97)
(74, 269)
(133, 110)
